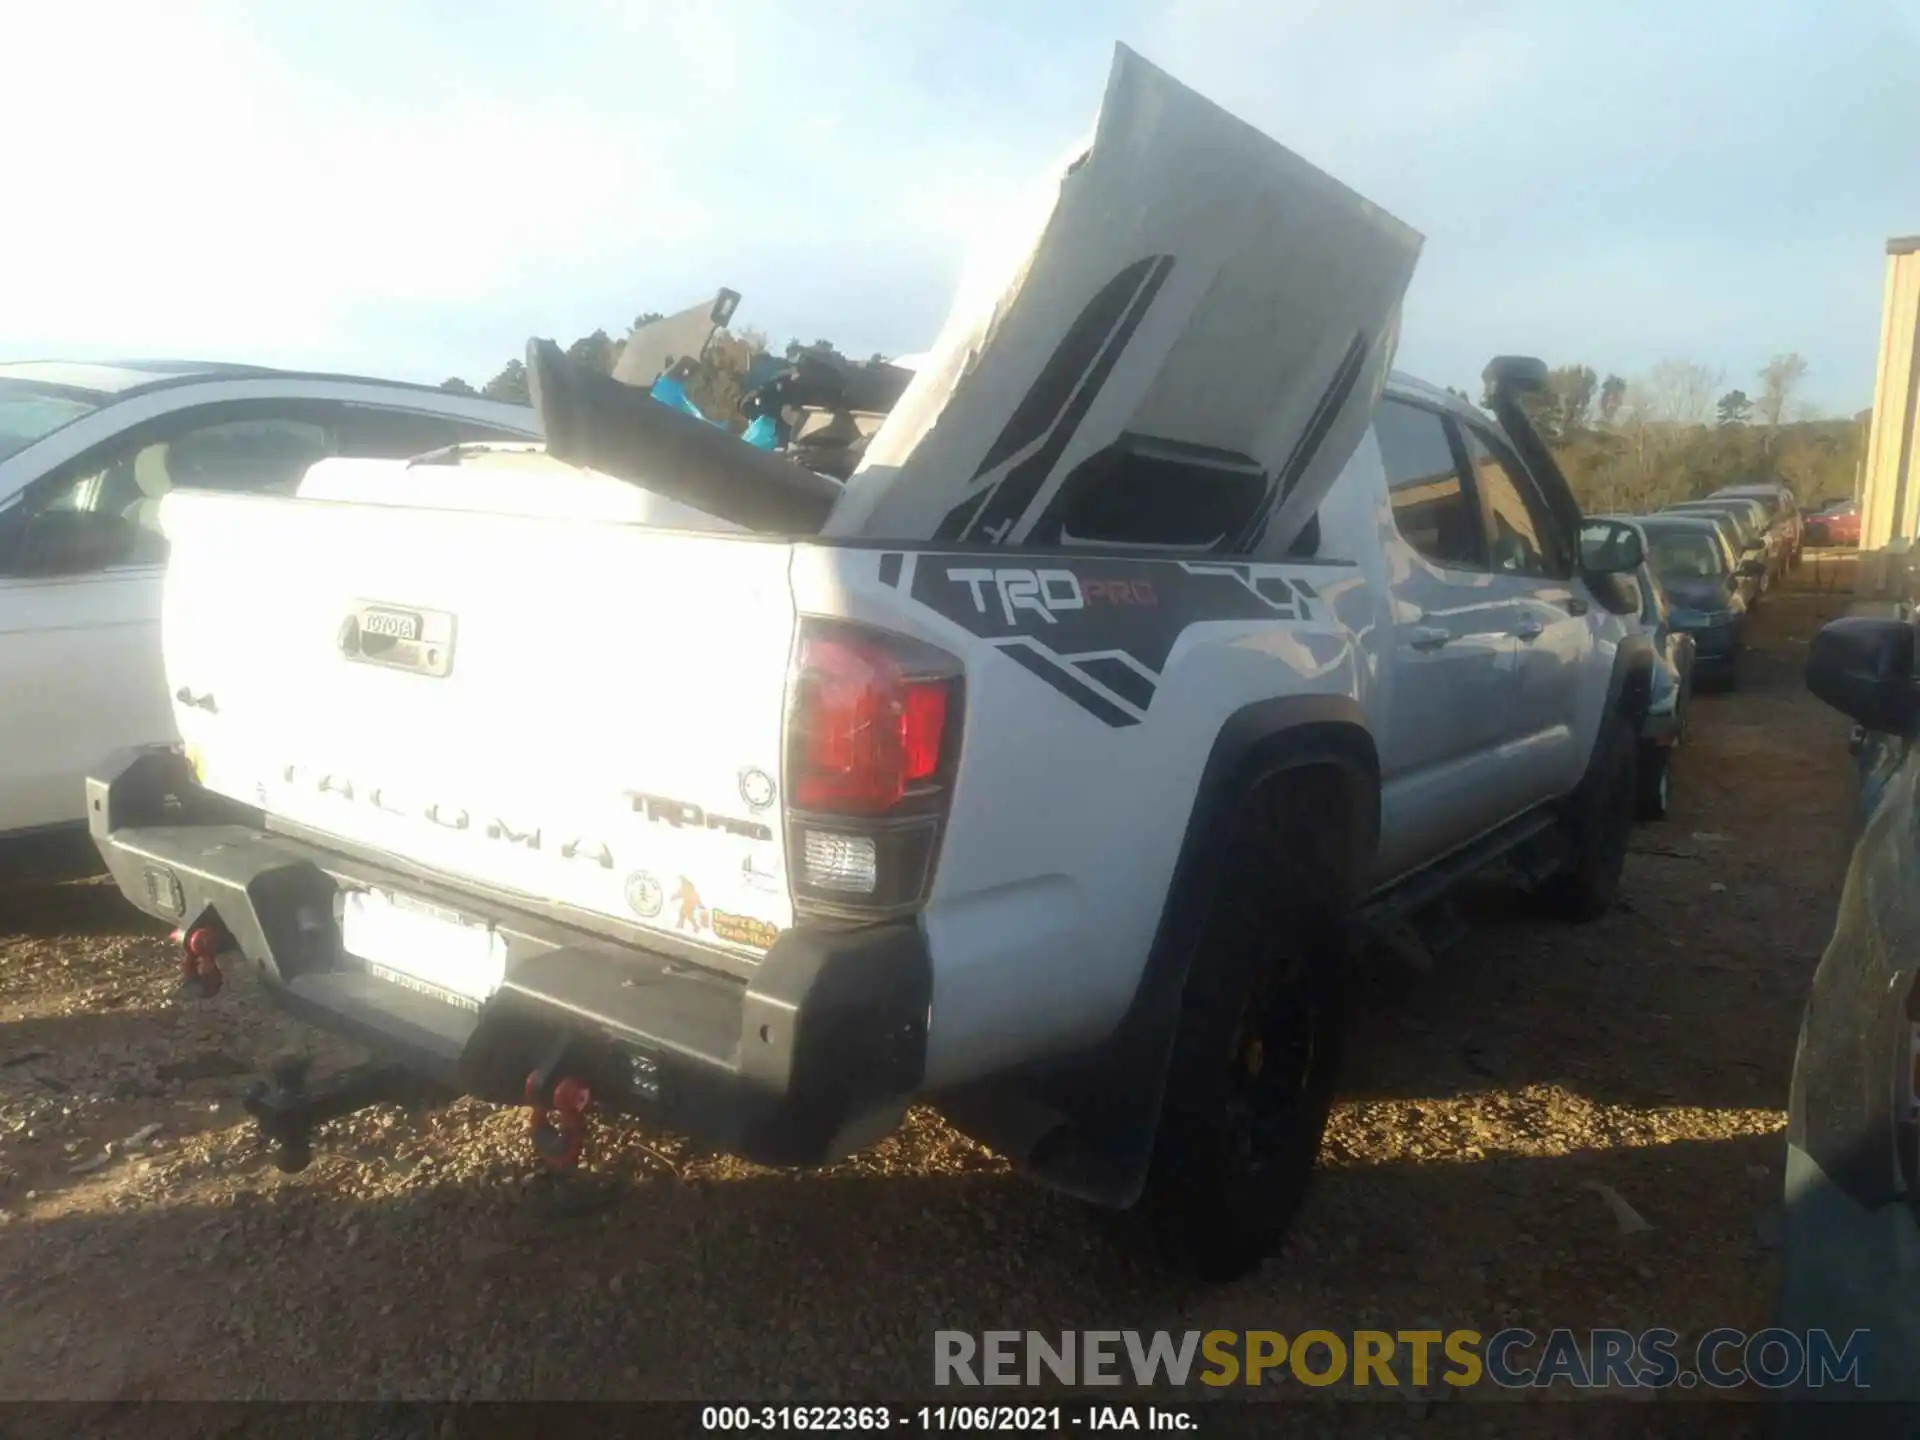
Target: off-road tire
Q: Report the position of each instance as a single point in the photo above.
(1255, 1056)
(1654, 782)
(1599, 824)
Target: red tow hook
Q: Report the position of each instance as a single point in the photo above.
(559, 1124)
(199, 961)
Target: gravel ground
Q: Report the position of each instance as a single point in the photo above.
(148, 1250)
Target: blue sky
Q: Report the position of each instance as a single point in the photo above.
(414, 188)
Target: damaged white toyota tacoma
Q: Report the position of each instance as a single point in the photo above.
(1162, 649)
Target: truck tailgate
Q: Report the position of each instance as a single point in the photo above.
(586, 713)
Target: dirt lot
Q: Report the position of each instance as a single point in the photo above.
(418, 1258)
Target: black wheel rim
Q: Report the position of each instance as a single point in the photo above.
(1272, 1067)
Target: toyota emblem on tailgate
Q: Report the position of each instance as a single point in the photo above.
(398, 637)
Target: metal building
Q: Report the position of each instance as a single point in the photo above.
(1890, 489)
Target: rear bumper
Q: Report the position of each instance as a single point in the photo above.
(1716, 651)
(815, 1055)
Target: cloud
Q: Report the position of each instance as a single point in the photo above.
(194, 187)
(414, 190)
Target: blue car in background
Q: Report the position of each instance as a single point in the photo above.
(1709, 590)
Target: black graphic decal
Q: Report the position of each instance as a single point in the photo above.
(1121, 678)
(890, 568)
(1345, 377)
(1100, 631)
(1052, 409)
(1048, 667)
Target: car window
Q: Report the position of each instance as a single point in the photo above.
(30, 412)
(1519, 532)
(1732, 521)
(107, 513)
(1678, 554)
(374, 433)
(1431, 506)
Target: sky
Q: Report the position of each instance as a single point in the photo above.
(412, 188)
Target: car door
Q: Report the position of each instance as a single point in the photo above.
(1533, 571)
(81, 563)
(1452, 649)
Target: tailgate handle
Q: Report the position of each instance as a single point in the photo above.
(396, 637)
(1430, 639)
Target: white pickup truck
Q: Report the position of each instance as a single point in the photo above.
(1162, 647)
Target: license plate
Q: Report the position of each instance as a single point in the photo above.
(424, 947)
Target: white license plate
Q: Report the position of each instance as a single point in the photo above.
(424, 947)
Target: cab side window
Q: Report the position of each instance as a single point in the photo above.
(1521, 539)
(1432, 507)
(105, 513)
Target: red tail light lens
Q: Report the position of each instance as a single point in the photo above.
(865, 731)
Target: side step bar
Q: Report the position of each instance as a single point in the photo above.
(1389, 909)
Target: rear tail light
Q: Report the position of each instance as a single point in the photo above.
(865, 731)
(873, 735)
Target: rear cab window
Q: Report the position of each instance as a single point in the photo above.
(1432, 508)
(1522, 538)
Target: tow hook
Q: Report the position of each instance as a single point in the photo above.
(200, 947)
(559, 1117)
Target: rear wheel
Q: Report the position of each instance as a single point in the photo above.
(1599, 824)
(1255, 1057)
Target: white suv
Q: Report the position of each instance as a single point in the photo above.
(86, 453)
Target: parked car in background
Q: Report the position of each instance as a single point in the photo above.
(86, 453)
(1756, 540)
(1665, 729)
(1749, 577)
(1707, 589)
(1783, 506)
(1835, 524)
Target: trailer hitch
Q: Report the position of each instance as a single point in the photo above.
(287, 1108)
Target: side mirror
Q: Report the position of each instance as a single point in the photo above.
(1863, 667)
(1608, 547)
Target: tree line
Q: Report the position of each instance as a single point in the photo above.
(1633, 445)
(1625, 445)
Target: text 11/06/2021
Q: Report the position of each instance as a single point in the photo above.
(948, 1419)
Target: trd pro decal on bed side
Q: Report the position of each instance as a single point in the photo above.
(1098, 630)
